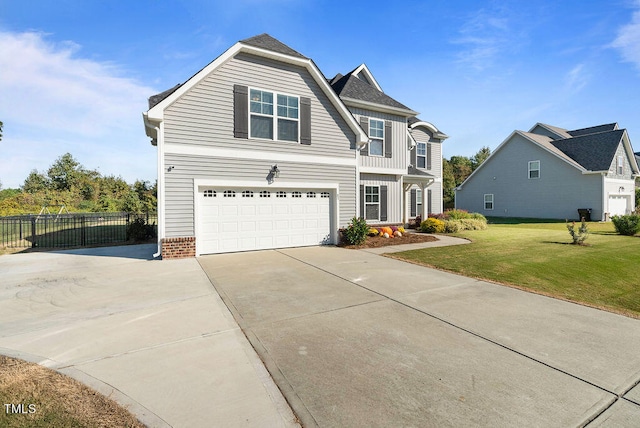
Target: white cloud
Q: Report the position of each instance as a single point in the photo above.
(54, 101)
(628, 39)
(576, 79)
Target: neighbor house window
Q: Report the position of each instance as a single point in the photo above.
(534, 169)
(488, 201)
(620, 165)
(372, 203)
(283, 124)
(376, 135)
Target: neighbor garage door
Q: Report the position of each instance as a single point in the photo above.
(242, 219)
(618, 205)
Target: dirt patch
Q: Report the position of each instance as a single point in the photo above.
(38, 396)
(379, 241)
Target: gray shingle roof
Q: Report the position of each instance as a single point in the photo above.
(593, 129)
(265, 41)
(155, 99)
(594, 151)
(350, 86)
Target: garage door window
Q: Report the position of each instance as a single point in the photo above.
(281, 194)
(247, 194)
(265, 194)
(229, 194)
(324, 195)
(209, 193)
(311, 194)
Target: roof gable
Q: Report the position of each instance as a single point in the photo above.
(265, 41)
(594, 152)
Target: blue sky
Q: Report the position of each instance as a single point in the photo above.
(75, 75)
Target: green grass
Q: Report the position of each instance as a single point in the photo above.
(537, 256)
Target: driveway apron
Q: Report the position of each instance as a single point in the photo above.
(355, 339)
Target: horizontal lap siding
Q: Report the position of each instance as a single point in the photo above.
(179, 183)
(423, 136)
(204, 115)
(399, 158)
(394, 194)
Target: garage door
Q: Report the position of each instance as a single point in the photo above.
(617, 205)
(242, 219)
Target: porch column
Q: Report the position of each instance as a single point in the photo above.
(405, 215)
(424, 209)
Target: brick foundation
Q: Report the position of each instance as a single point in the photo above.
(178, 248)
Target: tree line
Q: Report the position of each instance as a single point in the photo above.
(67, 182)
(456, 169)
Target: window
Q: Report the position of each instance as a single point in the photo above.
(421, 155)
(324, 194)
(311, 194)
(372, 203)
(488, 201)
(281, 194)
(247, 194)
(229, 194)
(418, 202)
(265, 194)
(534, 169)
(296, 194)
(376, 134)
(620, 165)
(209, 193)
(284, 124)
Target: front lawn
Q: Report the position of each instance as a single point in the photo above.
(537, 256)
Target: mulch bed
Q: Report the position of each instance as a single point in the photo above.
(379, 241)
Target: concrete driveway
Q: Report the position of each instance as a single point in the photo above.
(355, 339)
(154, 335)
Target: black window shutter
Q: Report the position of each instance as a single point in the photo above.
(305, 120)
(414, 156)
(414, 203)
(428, 155)
(428, 201)
(364, 124)
(383, 203)
(362, 200)
(240, 111)
(388, 141)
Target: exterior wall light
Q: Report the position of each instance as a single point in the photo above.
(275, 172)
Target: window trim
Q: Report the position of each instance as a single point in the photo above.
(380, 139)
(274, 117)
(620, 165)
(490, 202)
(366, 187)
(530, 170)
(418, 155)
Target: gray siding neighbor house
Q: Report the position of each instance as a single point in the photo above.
(550, 172)
(259, 150)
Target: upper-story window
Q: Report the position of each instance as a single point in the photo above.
(620, 165)
(534, 169)
(265, 123)
(376, 134)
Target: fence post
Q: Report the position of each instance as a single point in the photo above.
(20, 223)
(33, 232)
(83, 234)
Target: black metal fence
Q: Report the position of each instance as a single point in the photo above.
(68, 230)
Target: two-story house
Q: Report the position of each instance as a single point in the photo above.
(551, 172)
(259, 150)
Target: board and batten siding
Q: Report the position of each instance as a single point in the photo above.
(399, 157)
(179, 189)
(558, 193)
(204, 115)
(394, 195)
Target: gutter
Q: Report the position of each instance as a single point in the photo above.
(160, 197)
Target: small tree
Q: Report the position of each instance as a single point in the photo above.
(579, 235)
(356, 232)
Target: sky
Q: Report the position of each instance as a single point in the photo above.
(75, 75)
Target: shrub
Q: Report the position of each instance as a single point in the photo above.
(452, 226)
(139, 230)
(626, 224)
(455, 214)
(432, 225)
(478, 216)
(401, 230)
(356, 232)
(579, 235)
(472, 224)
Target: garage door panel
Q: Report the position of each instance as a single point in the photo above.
(261, 219)
(617, 205)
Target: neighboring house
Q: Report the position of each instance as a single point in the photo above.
(550, 172)
(259, 150)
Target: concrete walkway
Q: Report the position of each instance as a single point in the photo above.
(154, 335)
(355, 339)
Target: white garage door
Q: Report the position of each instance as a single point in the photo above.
(617, 205)
(242, 219)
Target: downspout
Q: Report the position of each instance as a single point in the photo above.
(160, 199)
